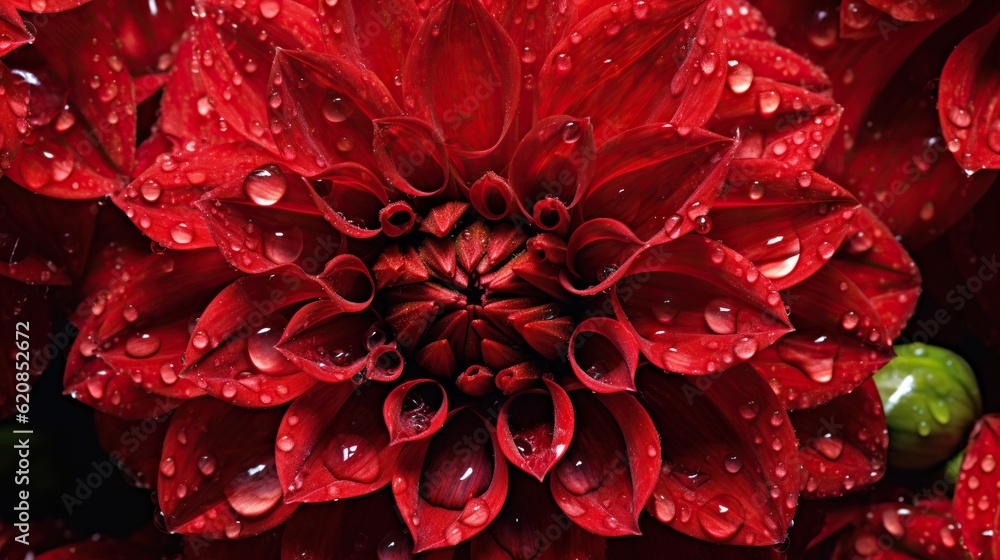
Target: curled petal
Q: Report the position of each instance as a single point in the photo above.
(463, 75)
(535, 428)
(397, 219)
(348, 283)
(657, 193)
(415, 410)
(740, 489)
(332, 444)
(610, 469)
(843, 444)
(670, 57)
(450, 487)
(351, 198)
(492, 197)
(412, 157)
(330, 123)
(160, 201)
(970, 84)
(788, 223)
(598, 254)
(555, 160)
(880, 267)
(692, 309)
(232, 351)
(839, 342)
(604, 355)
(14, 30)
(975, 505)
(269, 220)
(217, 486)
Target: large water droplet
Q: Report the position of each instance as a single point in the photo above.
(262, 352)
(265, 185)
(254, 491)
(284, 245)
(336, 109)
(721, 516)
(352, 457)
(142, 345)
(720, 316)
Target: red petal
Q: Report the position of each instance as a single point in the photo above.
(669, 56)
(217, 473)
(788, 223)
(970, 84)
(186, 110)
(236, 42)
(94, 383)
(450, 487)
(160, 201)
(535, 30)
(693, 310)
(842, 444)
(46, 6)
(598, 254)
(330, 123)
(492, 196)
(99, 83)
(975, 505)
(42, 240)
(657, 179)
(379, 36)
(332, 345)
(351, 198)
(411, 156)
(882, 269)
(332, 444)
(531, 526)
(270, 220)
(905, 10)
(147, 30)
(903, 532)
(415, 410)
(555, 160)
(657, 538)
(360, 527)
(604, 355)
(730, 471)
(133, 445)
(13, 113)
(232, 353)
(839, 342)
(462, 75)
(610, 468)
(532, 438)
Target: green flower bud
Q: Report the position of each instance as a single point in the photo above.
(931, 401)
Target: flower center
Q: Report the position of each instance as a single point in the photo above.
(476, 301)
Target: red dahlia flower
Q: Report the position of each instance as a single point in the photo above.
(467, 277)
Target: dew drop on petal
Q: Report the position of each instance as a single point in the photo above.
(254, 491)
(142, 345)
(265, 185)
(721, 516)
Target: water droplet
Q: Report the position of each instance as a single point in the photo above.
(745, 348)
(286, 443)
(571, 132)
(283, 246)
(262, 352)
(142, 345)
(563, 63)
(130, 314)
(336, 109)
(768, 102)
(207, 465)
(830, 446)
(959, 117)
(168, 467)
(703, 224)
(475, 513)
(849, 320)
(720, 316)
(733, 464)
(740, 77)
(254, 491)
(352, 457)
(182, 233)
(269, 9)
(721, 516)
(265, 185)
(665, 311)
(927, 211)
